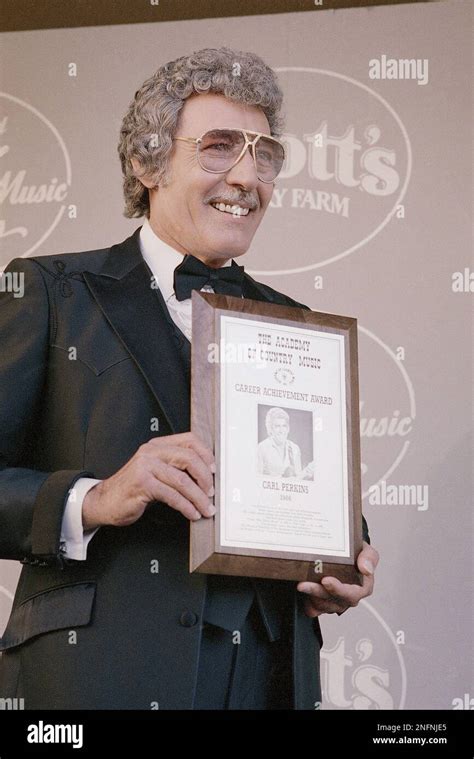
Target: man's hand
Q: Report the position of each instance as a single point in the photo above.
(332, 596)
(174, 469)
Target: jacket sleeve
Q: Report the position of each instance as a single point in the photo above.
(31, 501)
(365, 530)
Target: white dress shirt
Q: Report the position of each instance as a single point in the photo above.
(162, 260)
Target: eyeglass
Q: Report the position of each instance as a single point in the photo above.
(219, 150)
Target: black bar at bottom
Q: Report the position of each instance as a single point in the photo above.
(436, 733)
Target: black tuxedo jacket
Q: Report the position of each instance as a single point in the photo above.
(88, 359)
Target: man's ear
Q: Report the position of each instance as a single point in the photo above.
(137, 170)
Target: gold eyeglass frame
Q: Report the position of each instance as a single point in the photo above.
(248, 142)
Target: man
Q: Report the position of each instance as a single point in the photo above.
(100, 474)
(276, 455)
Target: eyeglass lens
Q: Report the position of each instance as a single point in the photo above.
(220, 148)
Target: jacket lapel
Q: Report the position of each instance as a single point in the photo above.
(254, 290)
(138, 315)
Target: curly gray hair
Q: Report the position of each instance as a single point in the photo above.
(275, 413)
(150, 123)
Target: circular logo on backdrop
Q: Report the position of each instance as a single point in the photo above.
(35, 177)
(362, 669)
(386, 418)
(346, 172)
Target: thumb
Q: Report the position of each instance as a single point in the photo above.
(366, 566)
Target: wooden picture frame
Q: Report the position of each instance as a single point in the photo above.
(215, 318)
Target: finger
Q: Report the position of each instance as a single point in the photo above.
(367, 559)
(316, 606)
(198, 469)
(317, 595)
(310, 610)
(314, 589)
(349, 594)
(188, 460)
(184, 485)
(191, 440)
(170, 496)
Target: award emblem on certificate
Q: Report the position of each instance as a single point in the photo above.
(274, 392)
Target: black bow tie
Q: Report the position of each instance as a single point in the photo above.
(193, 274)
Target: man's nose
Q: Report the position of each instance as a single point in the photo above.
(244, 172)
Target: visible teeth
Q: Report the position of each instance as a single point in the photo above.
(235, 209)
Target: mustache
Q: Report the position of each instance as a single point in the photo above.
(244, 200)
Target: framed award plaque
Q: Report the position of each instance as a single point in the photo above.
(274, 392)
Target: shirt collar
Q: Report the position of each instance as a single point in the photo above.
(161, 258)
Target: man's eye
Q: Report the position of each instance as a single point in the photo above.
(223, 146)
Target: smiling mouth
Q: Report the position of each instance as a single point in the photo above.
(234, 210)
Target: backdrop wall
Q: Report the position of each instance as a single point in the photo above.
(371, 218)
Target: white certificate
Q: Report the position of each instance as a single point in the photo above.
(283, 439)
